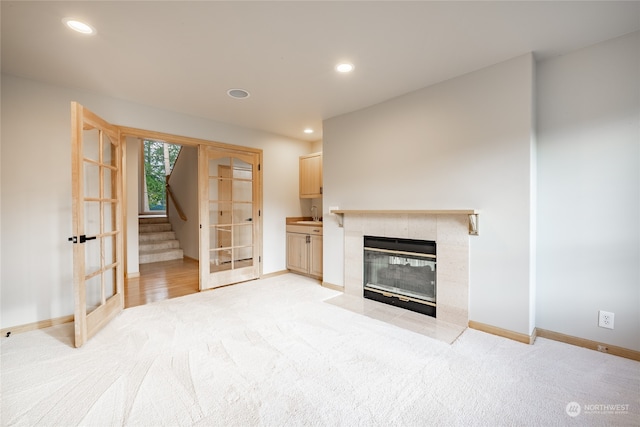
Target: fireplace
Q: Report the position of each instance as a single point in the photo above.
(400, 272)
(449, 229)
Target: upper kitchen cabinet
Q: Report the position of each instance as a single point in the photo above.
(311, 176)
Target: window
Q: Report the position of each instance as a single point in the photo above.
(158, 160)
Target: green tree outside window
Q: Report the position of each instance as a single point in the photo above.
(159, 158)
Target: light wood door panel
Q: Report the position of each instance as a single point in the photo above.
(230, 216)
(98, 274)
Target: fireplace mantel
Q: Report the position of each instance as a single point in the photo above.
(416, 212)
(472, 214)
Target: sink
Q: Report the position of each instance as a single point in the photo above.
(309, 222)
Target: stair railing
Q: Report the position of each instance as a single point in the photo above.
(171, 196)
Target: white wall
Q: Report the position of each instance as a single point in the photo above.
(36, 275)
(316, 146)
(589, 191)
(461, 144)
(36, 266)
(184, 185)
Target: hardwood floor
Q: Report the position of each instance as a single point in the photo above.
(159, 281)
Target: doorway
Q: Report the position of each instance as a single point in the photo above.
(164, 280)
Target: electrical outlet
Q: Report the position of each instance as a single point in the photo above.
(605, 319)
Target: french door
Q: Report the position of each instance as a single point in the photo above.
(230, 191)
(98, 274)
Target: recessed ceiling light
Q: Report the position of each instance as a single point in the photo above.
(238, 93)
(308, 130)
(344, 67)
(79, 26)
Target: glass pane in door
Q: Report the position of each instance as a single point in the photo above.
(108, 150)
(242, 235)
(92, 257)
(219, 211)
(215, 186)
(242, 169)
(220, 260)
(107, 183)
(220, 237)
(93, 292)
(214, 164)
(109, 214)
(242, 190)
(242, 213)
(91, 218)
(91, 144)
(243, 245)
(91, 180)
(109, 250)
(109, 283)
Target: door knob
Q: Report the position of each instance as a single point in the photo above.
(83, 238)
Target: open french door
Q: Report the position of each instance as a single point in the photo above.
(98, 274)
(229, 184)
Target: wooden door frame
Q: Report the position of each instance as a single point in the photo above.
(193, 142)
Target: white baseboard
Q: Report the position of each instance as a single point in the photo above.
(36, 325)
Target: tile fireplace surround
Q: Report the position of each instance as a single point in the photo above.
(448, 228)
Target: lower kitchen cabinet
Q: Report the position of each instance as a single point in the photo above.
(304, 250)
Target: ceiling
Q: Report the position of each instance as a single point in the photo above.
(183, 56)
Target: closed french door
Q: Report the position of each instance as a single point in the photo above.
(98, 274)
(230, 216)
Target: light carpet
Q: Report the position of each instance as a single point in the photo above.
(271, 352)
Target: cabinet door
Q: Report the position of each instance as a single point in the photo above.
(311, 176)
(297, 252)
(315, 256)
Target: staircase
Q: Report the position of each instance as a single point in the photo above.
(157, 241)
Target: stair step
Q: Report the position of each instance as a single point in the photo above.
(160, 255)
(157, 245)
(153, 220)
(156, 236)
(154, 227)
(161, 235)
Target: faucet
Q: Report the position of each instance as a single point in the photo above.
(314, 213)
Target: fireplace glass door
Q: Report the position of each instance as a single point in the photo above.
(409, 275)
(401, 272)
